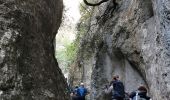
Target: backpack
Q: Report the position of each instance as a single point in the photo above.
(118, 89)
(81, 91)
(75, 91)
(137, 97)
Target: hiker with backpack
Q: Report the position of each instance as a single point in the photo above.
(118, 92)
(81, 92)
(74, 95)
(140, 94)
(116, 87)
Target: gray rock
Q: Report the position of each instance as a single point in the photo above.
(131, 41)
(28, 69)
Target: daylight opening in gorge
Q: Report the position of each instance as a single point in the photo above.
(65, 41)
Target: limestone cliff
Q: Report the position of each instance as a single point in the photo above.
(28, 69)
(131, 41)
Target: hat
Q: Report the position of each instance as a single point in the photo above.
(81, 83)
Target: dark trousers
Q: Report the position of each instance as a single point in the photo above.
(118, 98)
(75, 98)
(81, 98)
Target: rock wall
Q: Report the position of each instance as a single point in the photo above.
(28, 69)
(131, 41)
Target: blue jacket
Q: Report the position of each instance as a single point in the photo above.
(81, 91)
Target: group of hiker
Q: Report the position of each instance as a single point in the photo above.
(116, 88)
(79, 92)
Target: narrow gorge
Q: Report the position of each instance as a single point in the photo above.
(129, 38)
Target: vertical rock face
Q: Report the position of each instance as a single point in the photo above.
(28, 69)
(131, 41)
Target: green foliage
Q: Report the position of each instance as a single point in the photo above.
(68, 53)
(71, 51)
(84, 23)
(62, 59)
(85, 12)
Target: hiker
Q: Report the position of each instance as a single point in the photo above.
(117, 89)
(74, 93)
(118, 92)
(81, 92)
(69, 88)
(140, 94)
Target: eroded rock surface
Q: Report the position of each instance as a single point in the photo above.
(28, 69)
(131, 41)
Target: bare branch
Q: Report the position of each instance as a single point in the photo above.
(96, 4)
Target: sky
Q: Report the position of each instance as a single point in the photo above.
(71, 17)
(73, 9)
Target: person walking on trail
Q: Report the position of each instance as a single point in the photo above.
(140, 94)
(81, 92)
(74, 93)
(117, 88)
